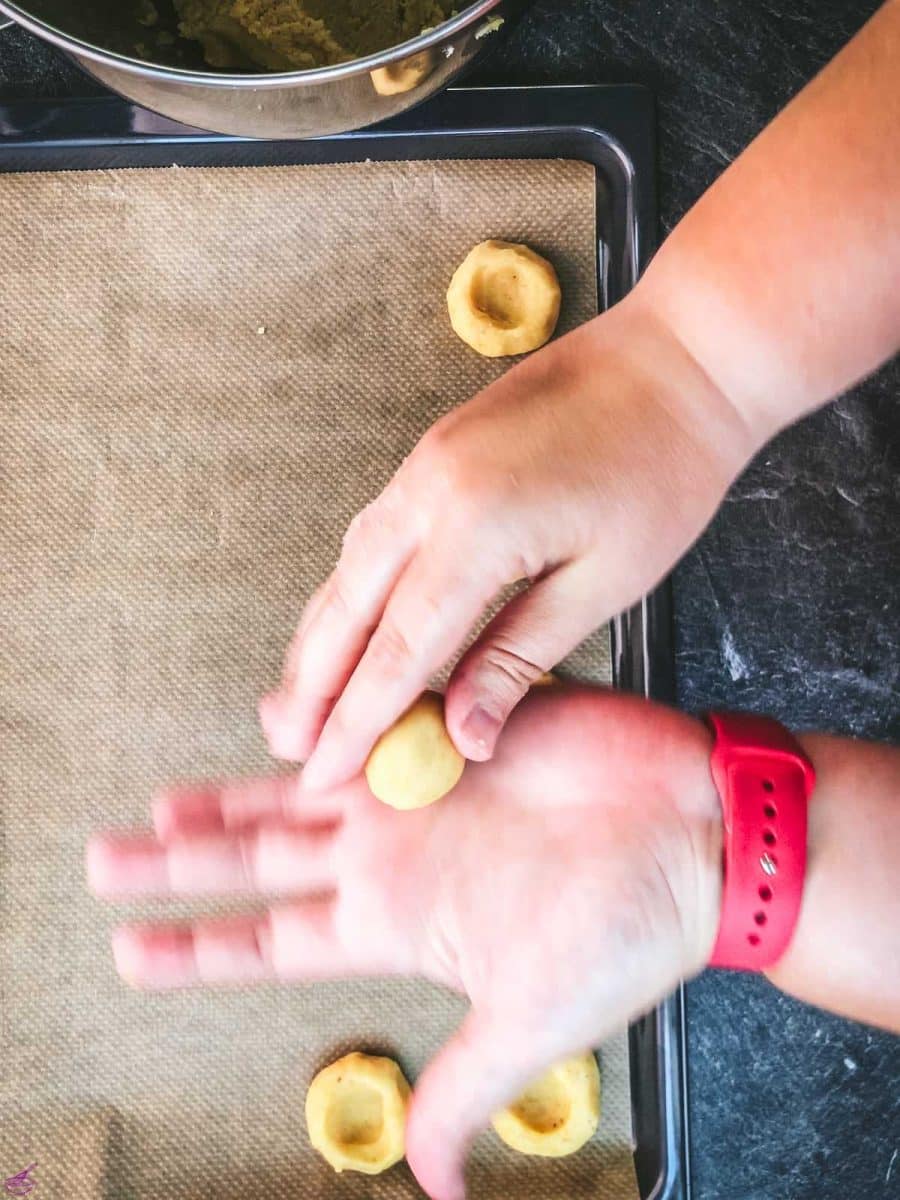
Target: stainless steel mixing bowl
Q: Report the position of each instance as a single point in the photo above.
(160, 70)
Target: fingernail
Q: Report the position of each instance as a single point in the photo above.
(283, 743)
(127, 956)
(97, 865)
(325, 769)
(268, 709)
(480, 730)
(272, 706)
(315, 775)
(281, 727)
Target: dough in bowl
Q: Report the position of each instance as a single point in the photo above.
(557, 1113)
(504, 299)
(290, 35)
(404, 75)
(414, 762)
(356, 1113)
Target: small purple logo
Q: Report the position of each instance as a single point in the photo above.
(21, 1185)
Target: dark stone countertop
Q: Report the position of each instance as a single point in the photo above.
(789, 602)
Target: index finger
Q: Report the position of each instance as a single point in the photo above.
(238, 804)
(436, 602)
(338, 624)
(294, 943)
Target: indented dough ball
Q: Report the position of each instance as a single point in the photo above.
(504, 299)
(557, 1113)
(414, 762)
(356, 1113)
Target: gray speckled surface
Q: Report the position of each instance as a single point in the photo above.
(786, 604)
(795, 583)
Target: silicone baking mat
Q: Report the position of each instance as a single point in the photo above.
(206, 373)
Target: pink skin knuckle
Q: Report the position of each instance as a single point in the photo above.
(315, 656)
(432, 447)
(390, 651)
(452, 472)
(503, 676)
(426, 615)
(280, 935)
(528, 562)
(372, 521)
(472, 496)
(336, 728)
(338, 603)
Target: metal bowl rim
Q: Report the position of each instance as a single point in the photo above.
(356, 66)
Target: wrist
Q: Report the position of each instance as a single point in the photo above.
(711, 319)
(701, 809)
(699, 312)
(816, 835)
(709, 880)
(764, 779)
(845, 953)
(716, 423)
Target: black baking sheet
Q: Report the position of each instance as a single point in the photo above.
(613, 129)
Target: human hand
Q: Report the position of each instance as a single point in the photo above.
(565, 887)
(587, 470)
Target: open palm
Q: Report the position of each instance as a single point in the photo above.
(564, 886)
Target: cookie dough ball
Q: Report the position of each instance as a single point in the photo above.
(414, 762)
(402, 76)
(557, 1113)
(504, 299)
(356, 1113)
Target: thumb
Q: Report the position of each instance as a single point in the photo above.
(525, 639)
(476, 1073)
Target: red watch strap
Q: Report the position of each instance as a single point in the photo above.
(764, 781)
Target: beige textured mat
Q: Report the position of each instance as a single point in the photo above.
(47, 1152)
(204, 374)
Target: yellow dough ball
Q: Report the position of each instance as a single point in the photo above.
(356, 1113)
(557, 1113)
(414, 762)
(504, 299)
(404, 75)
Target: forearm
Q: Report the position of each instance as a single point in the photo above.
(783, 281)
(845, 954)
